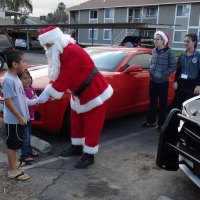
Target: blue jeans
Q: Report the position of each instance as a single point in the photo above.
(26, 149)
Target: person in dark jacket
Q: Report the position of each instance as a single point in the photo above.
(187, 78)
(163, 64)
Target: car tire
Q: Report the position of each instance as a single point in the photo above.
(66, 128)
(1, 62)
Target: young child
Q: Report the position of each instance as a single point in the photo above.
(27, 153)
(16, 114)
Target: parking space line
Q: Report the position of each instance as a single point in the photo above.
(41, 163)
(107, 143)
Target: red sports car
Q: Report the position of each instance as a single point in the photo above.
(126, 70)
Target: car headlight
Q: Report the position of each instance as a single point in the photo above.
(191, 108)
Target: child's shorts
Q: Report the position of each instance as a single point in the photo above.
(14, 136)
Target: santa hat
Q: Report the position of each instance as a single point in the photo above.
(164, 36)
(49, 35)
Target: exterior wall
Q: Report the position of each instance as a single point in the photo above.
(121, 15)
(194, 15)
(166, 15)
(189, 24)
(83, 33)
(101, 15)
(183, 22)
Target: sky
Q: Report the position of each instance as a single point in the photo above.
(43, 7)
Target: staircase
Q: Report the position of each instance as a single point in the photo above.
(118, 38)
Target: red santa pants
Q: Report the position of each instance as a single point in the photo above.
(86, 128)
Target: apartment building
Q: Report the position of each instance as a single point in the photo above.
(184, 14)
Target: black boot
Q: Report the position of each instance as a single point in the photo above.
(85, 160)
(74, 150)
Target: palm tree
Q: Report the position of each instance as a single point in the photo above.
(17, 5)
(61, 6)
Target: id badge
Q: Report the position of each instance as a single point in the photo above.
(184, 76)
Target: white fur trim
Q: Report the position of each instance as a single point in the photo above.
(50, 36)
(90, 150)
(54, 93)
(99, 100)
(78, 141)
(162, 34)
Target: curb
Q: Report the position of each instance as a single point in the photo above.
(36, 143)
(40, 145)
(164, 198)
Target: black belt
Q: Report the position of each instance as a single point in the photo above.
(86, 83)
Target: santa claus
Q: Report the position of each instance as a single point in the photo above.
(71, 69)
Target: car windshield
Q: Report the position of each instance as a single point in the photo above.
(4, 41)
(106, 60)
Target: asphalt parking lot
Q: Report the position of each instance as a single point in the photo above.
(125, 167)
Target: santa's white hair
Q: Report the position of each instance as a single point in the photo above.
(53, 55)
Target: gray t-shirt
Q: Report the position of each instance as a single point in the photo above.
(12, 87)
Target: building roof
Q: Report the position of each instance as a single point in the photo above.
(34, 20)
(6, 21)
(96, 4)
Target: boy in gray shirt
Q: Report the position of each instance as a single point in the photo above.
(16, 114)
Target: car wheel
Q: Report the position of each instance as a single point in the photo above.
(1, 62)
(66, 128)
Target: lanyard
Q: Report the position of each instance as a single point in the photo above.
(186, 66)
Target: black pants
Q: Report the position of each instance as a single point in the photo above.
(184, 92)
(179, 98)
(158, 91)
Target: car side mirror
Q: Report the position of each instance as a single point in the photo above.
(133, 68)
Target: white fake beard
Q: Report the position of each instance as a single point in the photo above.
(53, 56)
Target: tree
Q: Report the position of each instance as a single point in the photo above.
(61, 6)
(17, 5)
(59, 15)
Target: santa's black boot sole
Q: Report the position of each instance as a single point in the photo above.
(85, 161)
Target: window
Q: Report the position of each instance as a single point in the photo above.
(109, 13)
(179, 36)
(93, 14)
(106, 60)
(95, 33)
(107, 34)
(151, 12)
(4, 41)
(143, 60)
(183, 10)
(130, 15)
(134, 15)
(137, 13)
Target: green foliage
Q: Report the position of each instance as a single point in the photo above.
(16, 5)
(59, 15)
(177, 52)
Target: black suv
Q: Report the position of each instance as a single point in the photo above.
(137, 41)
(6, 45)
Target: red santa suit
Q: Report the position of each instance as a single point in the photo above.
(87, 109)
